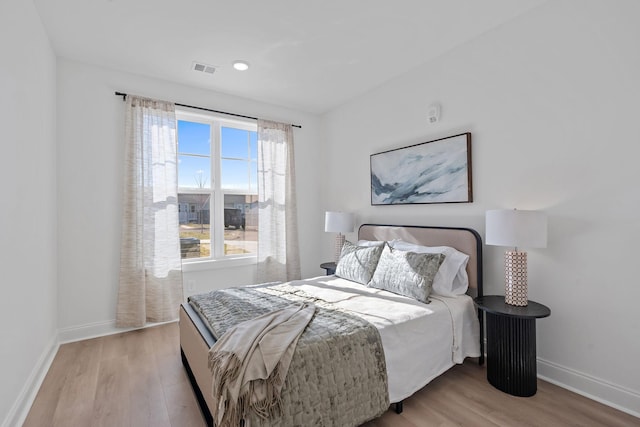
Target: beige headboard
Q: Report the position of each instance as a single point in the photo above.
(465, 240)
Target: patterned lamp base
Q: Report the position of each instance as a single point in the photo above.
(515, 278)
(339, 245)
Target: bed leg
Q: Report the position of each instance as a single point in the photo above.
(398, 406)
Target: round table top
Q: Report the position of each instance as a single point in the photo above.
(495, 304)
(329, 264)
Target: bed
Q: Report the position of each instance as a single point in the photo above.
(420, 341)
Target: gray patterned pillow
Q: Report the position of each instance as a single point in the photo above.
(357, 263)
(406, 273)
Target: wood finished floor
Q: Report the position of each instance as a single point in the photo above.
(137, 379)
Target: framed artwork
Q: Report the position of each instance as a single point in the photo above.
(437, 171)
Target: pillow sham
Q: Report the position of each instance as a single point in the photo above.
(357, 263)
(451, 279)
(406, 273)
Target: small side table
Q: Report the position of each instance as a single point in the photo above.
(511, 344)
(330, 267)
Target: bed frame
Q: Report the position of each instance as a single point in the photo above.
(196, 339)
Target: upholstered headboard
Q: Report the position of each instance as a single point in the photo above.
(465, 240)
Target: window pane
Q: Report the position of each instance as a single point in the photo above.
(240, 224)
(235, 175)
(194, 138)
(194, 172)
(195, 218)
(235, 143)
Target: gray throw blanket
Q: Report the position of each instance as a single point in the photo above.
(250, 362)
(337, 375)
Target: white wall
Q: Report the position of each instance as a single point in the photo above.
(90, 150)
(28, 214)
(551, 100)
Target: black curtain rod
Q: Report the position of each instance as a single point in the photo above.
(124, 97)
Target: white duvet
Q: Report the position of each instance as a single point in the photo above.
(420, 341)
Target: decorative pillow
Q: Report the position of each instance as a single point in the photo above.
(406, 273)
(357, 263)
(451, 279)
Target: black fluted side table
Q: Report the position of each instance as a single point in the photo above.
(511, 344)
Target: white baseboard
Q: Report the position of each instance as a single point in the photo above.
(95, 330)
(88, 331)
(609, 394)
(18, 412)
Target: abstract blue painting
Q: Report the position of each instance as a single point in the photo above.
(437, 171)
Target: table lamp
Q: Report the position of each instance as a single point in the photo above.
(516, 228)
(338, 222)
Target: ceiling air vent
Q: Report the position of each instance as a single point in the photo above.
(205, 68)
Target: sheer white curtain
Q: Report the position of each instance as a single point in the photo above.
(278, 252)
(150, 265)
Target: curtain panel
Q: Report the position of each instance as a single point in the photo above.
(278, 251)
(150, 285)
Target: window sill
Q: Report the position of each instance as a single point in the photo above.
(213, 264)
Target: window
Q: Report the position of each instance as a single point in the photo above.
(217, 187)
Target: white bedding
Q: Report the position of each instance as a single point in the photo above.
(421, 341)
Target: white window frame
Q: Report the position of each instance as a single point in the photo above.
(217, 257)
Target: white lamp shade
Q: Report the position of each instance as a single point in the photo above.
(511, 227)
(339, 222)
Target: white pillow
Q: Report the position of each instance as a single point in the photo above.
(368, 243)
(451, 279)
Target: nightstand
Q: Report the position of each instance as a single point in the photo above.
(330, 267)
(511, 344)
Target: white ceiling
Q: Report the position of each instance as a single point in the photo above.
(306, 55)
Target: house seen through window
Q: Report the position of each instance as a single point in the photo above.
(217, 187)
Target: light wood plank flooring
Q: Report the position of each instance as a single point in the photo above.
(137, 379)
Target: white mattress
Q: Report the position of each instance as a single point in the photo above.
(421, 341)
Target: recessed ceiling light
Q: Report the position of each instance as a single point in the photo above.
(241, 65)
